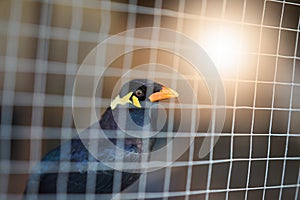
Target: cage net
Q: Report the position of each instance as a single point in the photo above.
(254, 45)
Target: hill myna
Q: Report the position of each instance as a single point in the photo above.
(134, 100)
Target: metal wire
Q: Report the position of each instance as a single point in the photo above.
(43, 44)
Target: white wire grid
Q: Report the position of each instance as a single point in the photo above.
(258, 155)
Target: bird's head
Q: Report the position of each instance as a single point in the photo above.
(137, 93)
(137, 97)
(134, 111)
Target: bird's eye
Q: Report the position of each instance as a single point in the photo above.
(139, 93)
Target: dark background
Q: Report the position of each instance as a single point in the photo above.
(44, 43)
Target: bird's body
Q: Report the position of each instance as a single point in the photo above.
(71, 168)
(76, 179)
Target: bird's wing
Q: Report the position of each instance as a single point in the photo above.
(70, 166)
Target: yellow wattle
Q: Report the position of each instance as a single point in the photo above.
(136, 102)
(121, 101)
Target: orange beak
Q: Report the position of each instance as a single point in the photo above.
(164, 93)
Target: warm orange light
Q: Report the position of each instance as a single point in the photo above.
(223, 45)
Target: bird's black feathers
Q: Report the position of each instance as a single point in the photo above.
(146, 86)
(66, 168)
(76, 177)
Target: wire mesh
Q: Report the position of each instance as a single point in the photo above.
(43, 44)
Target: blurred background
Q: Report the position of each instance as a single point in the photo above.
(253, 43)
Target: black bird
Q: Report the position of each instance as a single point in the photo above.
(52, 176)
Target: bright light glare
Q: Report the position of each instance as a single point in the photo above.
(223, 46)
